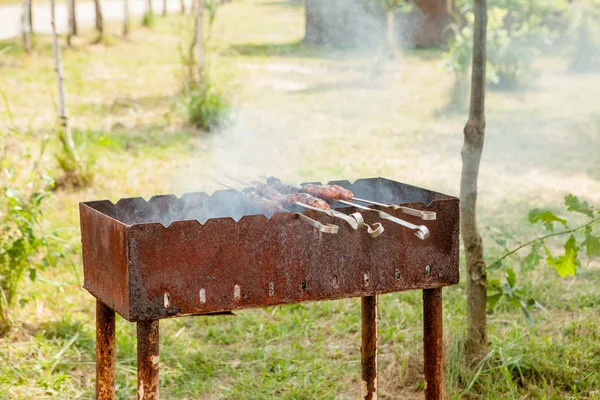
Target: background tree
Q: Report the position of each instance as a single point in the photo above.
(182, 2)
(391, 7)
(197, 46)
(72, 21)
(164, 10)
(99, 20)
(69, 160)
(31, 15)
(26, 26)
(474, 133)
(148, 19)
(125, 18)
(363, 22)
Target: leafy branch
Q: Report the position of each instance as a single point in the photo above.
(542, 238)
(564, 265)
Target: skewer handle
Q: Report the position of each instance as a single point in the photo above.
(421, 231)
(424, 215)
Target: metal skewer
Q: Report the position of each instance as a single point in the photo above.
(421, 230)
(424, 215)
(327, 228)
(355, 220)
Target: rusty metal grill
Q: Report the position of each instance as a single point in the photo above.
(200, 254)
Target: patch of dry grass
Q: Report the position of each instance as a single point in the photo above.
(308, 115)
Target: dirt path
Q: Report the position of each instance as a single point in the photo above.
(10, 15)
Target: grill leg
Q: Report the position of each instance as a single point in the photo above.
(369, 347)
(433, 338)
(147, 359)
(105, 352)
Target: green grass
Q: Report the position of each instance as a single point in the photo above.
(307, 114)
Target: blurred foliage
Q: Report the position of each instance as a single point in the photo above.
(396, 5)
(23, 246)
(148, 20)
(583, 242)
(517, 32)
(585, 37)
(77, 171)
(207, 104)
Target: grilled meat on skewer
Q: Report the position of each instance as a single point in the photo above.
(304, 198)
(284, 188)
(271, 207)
(326, 192)
(265, 205)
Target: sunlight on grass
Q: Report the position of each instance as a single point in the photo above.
(305, 114)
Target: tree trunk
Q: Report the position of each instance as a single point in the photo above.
(125, 18)
(391, 33)
(435, 18)
(99, 20)
(150, 11)
(199, 41)
(474, 133)
(164, 8)
(75, 25)
(26, 26)
(72, 21)
(31, 16)
(182, 7)
(62, 100)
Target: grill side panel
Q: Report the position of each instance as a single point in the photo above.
(105, 254)
(224, 265)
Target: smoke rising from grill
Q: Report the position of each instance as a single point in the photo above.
(350, 114)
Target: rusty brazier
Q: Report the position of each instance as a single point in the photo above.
(200, 254)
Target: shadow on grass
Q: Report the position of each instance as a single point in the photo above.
(67, 329)
(286, 3)
(138, 139)
(291, 49)
(297, 49)
(358, 84)
(14, 46)
(161, 133)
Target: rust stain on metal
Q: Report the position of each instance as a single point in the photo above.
(200, 255)
(105, 352)
(148, 359)
(129, 266)
(370, 324)
(433, 337)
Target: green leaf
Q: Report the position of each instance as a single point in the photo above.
(493, 300)
(573, 203)
(547, 217)
(32, 274)
(566, 264)
(500, 241)
(592, 244)
(526, 311)
(494, 284)
(495, 265)
(533, 259)
(511, 277)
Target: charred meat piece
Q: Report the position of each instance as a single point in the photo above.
(284, 188)
(266, 191)
(326, 192)
(313, 201)
(265, 205)
(345, 194)
(304, 198)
